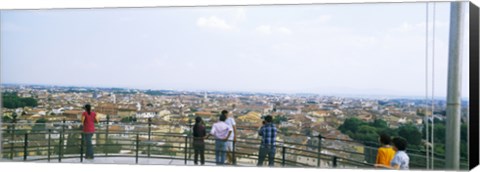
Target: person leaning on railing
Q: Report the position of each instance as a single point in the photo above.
(233, 137)
(199, 133)
(222, 132)
(268, 132)
(401, 159)
(89, 118)
(385, 152)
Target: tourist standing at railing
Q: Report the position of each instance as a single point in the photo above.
(268, 132)
(89, 118)
(221, 131)
(401, 159)
(385, 152)
(233, 137)
(199, 134)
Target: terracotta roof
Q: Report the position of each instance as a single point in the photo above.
(204, 114)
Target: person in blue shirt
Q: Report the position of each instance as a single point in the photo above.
(401, 159)
(268, 132)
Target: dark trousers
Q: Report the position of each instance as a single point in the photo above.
(199, 149)
(263, 152)
(88, 142)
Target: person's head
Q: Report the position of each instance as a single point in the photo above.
(385, 139)
(225, 112)
(223, 117)
(268, 119)
(88, 108)
(399, 144)
(198, 120)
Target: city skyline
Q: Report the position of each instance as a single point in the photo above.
(248, 48)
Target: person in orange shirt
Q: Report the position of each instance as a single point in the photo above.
(385, 152)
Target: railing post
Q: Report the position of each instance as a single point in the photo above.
(106, 136)
(12, 140)
(63, 127)
(63, 137)
(81, 146)
(234, 159)
(25, 147)
(49, 144)
(60, 147)
(186, 147)
(372, 156)
(136, 149)
(149, 135)
(190, 135)
(283, 155)
(319, 149)
(334, 161)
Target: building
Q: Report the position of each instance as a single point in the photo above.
(107, 108)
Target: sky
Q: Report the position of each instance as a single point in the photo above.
(347, 49)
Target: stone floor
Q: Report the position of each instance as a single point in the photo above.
(158, 160)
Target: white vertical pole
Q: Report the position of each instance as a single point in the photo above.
(452, 144)
(433, 89)
(427, 158)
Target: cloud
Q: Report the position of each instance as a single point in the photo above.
(322, 19)
(240, 14)
(268, 30)
(406, 27)
(265, 29)
(284, 30)
(214, 22)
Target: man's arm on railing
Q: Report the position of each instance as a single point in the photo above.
(260, 132)
(83, 120)
(396, 166)
(96, 119)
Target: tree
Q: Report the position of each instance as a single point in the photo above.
(73, 143)
(129, 119)
(39, 125)
(367, 133)
(7, 119)
(351, 124)
(283, 130)
(111, 147)
(366, 129)
(410, 133)
(280, 118)
(12, 101)
(168, 149)
(380, 123)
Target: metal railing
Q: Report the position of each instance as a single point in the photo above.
(61, 139)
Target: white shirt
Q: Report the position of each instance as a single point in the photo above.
(401, 158)
(231, 122)
(220, 130)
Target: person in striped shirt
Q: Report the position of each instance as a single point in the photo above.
(268, 132)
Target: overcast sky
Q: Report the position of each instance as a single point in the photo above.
(366, 49)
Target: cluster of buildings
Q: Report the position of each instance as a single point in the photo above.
(300, 117)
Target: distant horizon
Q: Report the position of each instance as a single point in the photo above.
(249, 92)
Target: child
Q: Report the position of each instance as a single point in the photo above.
(401, 159)
(385, 152)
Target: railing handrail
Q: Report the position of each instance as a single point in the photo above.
(61, 123)
(136, 133)
(185, 136)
